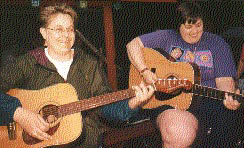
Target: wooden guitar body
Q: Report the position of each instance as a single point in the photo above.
(65, 130)
(165, 69)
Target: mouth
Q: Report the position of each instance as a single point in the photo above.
(195, 35)
(64, 42)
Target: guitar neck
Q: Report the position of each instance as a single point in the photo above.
(213, 93)
(94, 102)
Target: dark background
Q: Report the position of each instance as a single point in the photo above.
(20, 26)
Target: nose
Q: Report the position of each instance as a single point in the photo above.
(195, 30)
(65, 33)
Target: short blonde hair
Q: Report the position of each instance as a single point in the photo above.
(48, 11)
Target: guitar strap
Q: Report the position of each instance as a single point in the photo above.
(165, 54)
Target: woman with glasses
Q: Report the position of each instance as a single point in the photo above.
(57, 63)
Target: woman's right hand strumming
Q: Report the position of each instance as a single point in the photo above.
(32, 123)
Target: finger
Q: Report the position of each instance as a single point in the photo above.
(45, 135)
(43, 125)
(226, 103)
(137, 89)
(236, 103)
(150, 90)
(35, 135)
(42, 135)
(233, 105)
(238, 91)
(148, 81)
(227, 97)
(143, 88)
(155, 78)
(42, 120)
(149, 77)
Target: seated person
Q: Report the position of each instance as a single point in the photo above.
(208, 123)
(57, 63)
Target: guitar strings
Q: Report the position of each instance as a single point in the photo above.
(59, 111)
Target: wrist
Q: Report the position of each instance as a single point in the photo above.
(133, 103)
(17, 113)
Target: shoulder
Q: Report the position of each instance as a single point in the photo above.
(27, 60)
(158, 38)
(32, 55)
(216, 43)
(166, 32)
(214, 38)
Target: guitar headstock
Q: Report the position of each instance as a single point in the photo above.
(171, 85)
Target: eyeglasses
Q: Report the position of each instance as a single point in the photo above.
(62, 30)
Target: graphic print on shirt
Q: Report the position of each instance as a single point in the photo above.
(202, 58)
(188, 56)
(176, 52)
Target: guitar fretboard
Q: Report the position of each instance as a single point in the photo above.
(94, 102)
(213, 93)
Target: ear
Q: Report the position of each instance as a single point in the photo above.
(43, 33)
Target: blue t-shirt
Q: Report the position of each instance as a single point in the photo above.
(212, 54)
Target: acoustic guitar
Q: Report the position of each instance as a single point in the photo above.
(175, 73)
(60, 107)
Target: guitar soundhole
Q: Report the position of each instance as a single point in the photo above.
(50, 115)
(172, 77)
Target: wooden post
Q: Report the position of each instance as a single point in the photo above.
(109, 42)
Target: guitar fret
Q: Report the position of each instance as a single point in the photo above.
(95, 102)
(205, 91)
(212, 92)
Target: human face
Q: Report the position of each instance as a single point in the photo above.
(192, 33)
(59, 34)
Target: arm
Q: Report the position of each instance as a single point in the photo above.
(124, 110)
(11, 76)
(135, 53)
(134, 49)
(225, 71)
(119, 111)
(227, 84)
(11, 110)
(8, 105)
(100, 85)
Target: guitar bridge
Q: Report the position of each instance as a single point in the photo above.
(12, 131)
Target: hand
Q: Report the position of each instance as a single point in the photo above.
(149, 77)
(143, 93)
(230, 103)
(32, 123)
